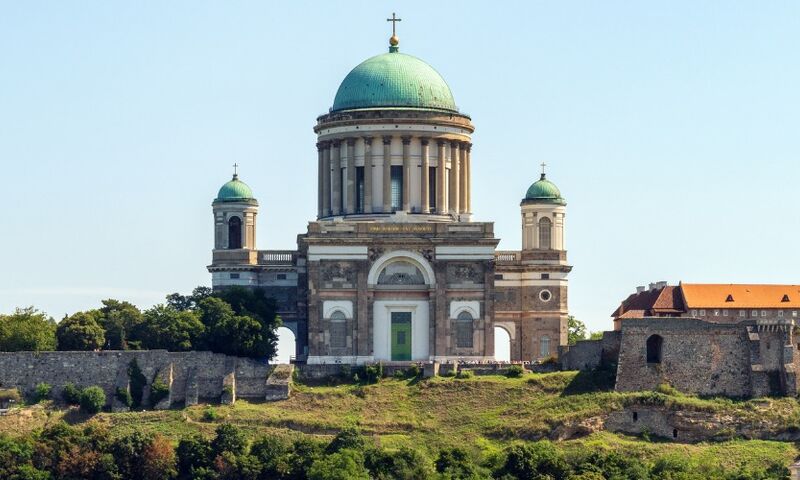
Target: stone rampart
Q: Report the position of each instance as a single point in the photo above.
(694, 357)
(190, 376)
(591, 354)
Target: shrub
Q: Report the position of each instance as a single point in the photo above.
(71, 394)
(229, 439)
(551, 360)
(10, 395)
(535, 460)
(373, 373)
(42, 392)
(158, 391)
(348, 438)
(514, 371)
(137, 382)
(668, 389)
(449, 373)
(210, 414)
(414, 371)
(464, 374)
(92, 399)
(344, 465)
(124, 396)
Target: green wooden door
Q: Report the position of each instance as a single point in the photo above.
(401, 336)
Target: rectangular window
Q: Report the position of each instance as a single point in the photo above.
(498, 276)
(281, 276)
(360, 189)
(397, 187)
(724, 312)
(338, 334)
(694, 313)
(755, 313)
(794, 314)
(763, 313)
(702, 313)
(780, 313)
(742, 313)
(545, 276)
(716, 313)
(234, 276)
(432, 188)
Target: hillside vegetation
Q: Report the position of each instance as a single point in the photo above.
(481, 415)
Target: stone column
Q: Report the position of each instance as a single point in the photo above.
(462, 179)
(336, 170)
(468, 176)
(441, 174)
(350, 188)
(320, 169)
(367, 174)
(326, 179)
(425, 182)
(387, 174)
(407, 174)
(454, 178)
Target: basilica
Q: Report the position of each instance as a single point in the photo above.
(394, 268)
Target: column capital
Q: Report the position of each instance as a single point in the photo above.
(368, 140)
(351, 141)
(387, 139)
(406, 139)
(455, 143)
(424, 140)
(441, 142)
(323, 145)
(469, 146)
(336, 143)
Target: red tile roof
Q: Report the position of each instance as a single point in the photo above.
(710, 295)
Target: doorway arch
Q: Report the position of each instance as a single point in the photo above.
(502, 344)
(287, 346)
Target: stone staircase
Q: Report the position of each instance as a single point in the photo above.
(279, 383)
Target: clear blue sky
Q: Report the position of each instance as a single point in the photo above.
(671, 128)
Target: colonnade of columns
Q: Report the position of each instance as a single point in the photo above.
(338, 184)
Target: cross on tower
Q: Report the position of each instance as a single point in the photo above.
(394, 21)
(235, 169)
(543, 165)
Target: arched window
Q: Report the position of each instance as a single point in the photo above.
(545, 233)
(464, 330)
(235, 233)
(338, 330)
(544, 346)
(654, 343)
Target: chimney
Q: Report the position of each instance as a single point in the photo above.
(652, 286)
(640, 289)
(661, 284)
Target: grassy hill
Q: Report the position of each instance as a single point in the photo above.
(482, 414)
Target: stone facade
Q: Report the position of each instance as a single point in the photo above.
(191, 376)
(748, 359)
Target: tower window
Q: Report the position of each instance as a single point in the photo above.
(234, 233)
(544, 346)
(338, 330)
(431, 188)
(397, 187)
(545, 233)
(360, 189)
(545, 276)
(464, 330)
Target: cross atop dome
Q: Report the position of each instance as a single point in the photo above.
(394, 40)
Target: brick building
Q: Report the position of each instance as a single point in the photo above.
(394, 267)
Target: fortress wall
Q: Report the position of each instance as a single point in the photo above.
(697, 357)
(108, 370)
(590, 354)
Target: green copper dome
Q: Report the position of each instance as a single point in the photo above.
(394, 79)
(544, 191)
(235, 191)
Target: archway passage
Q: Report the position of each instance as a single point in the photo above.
(502, 345)
(654, 345)
(287, 346)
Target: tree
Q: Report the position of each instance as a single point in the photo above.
(27, 329)
(229, 438)
(118, 319)
(596, 336)
(405, 463)
(188, 302)
(92, 399)
(255, 303)
(535, 461)
(194, 453)
(456, 464)
(81, 331)
(231, 334)
(347, 438)
(342, 465)
(163, 327)
(158, 460)
(577, 330)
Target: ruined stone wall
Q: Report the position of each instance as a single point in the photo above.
(590, 354)
(190, 375)
(697, 357)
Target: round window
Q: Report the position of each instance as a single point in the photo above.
(545, 295)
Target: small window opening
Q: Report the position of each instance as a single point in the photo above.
(654, 345)
(635, 416)
(234, 276)
(235, 233)
(281, 276)
(498, 276)
(674, 433)
(729, 299)
(545, 276)
(785, 298)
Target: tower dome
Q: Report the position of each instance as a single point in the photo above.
(393, 80)
(235, 190)
(544, 191)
